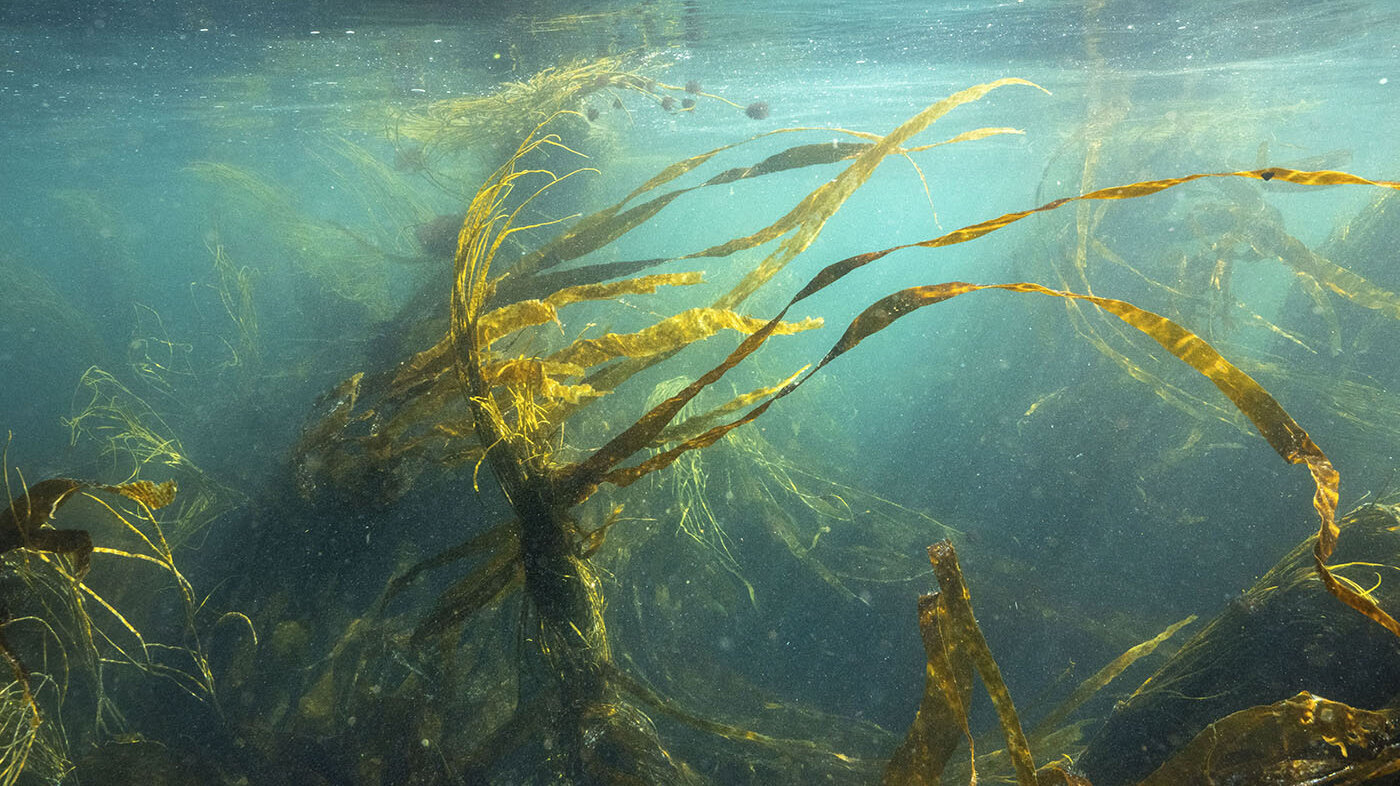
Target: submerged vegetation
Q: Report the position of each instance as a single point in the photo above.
(576, 411)
(508, 411)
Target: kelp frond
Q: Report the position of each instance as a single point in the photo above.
(1283, 433)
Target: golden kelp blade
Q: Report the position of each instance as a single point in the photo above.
(429, 364)
(805, 221)
(955, 645)
(33, 509)
(1276, 425)
(599, 467)
(152, 495)
(507, 319)
(22, 524)
(1305, 739)
(1102, 677)
(942, 717)
(487, 223)
(668, 335)
(836, 271)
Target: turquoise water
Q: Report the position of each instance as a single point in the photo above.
(1097, 489)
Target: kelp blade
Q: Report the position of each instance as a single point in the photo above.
(1102, 677)
(22, 523)
(599, 467)
(942, 716)
(1277, 427)
(955, 646)
(1305, 739)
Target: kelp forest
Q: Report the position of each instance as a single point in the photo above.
(597, 419)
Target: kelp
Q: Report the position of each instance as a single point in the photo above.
(599, 229)
(1267, 636)
(21, 524)
(24, 529)
(401, 419)
(604, 738)
(669, 335)
(508, 319)
(1361, 401)
(955, 647)
(557, 582)
(805, 221)
(1304, 739)
(508, 406)
(1278, 428)
(802, 224)
(1187, 276)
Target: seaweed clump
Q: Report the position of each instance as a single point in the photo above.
(24, 529)
(495, 392)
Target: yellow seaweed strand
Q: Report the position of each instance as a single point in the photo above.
(1277, 427)
(600, 467)
(1102, 677)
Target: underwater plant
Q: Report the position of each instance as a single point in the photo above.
(496, 393)
(63, 596)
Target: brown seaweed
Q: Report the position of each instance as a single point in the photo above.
(955, 647)
(24, 526)
(23, 523)
(593, 470)
(501, 395)
(1304, 739)
(1278, 428)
